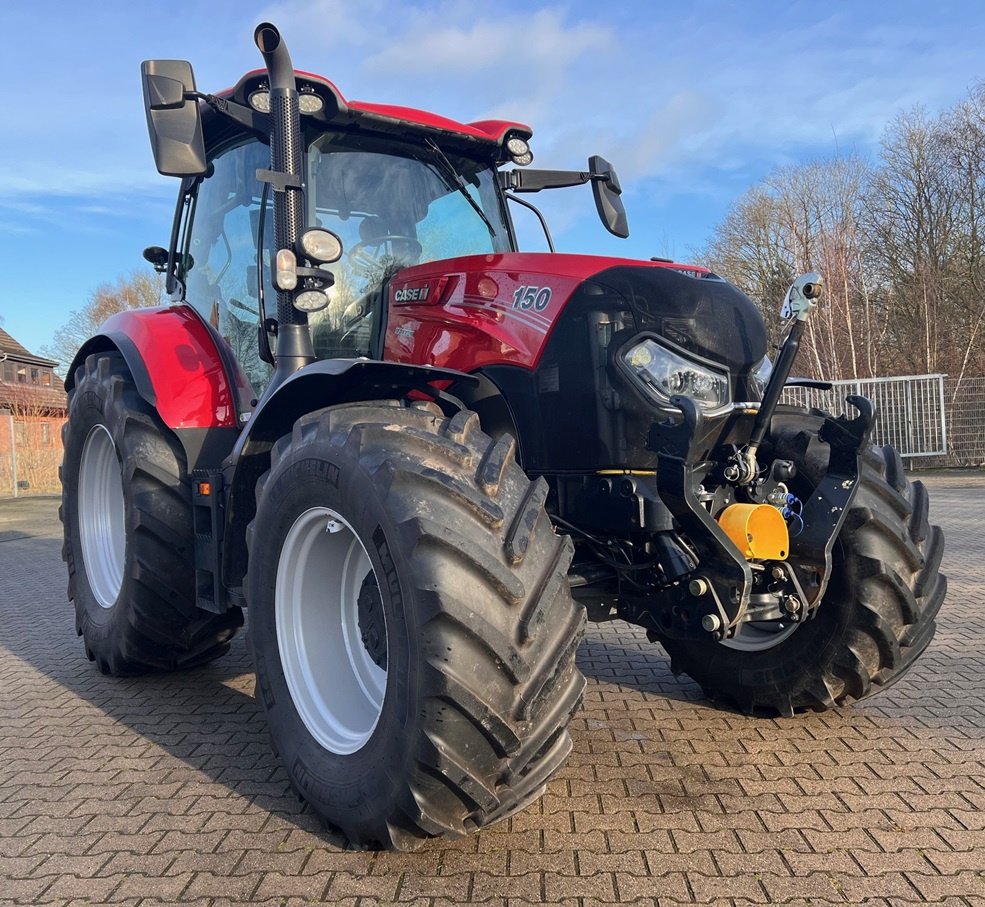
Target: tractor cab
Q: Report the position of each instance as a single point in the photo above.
(388, 203)
(398, 187)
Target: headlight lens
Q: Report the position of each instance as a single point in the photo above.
(664, 373)
(761, 375)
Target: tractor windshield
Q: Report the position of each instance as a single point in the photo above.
(390, 211)
(393, 204)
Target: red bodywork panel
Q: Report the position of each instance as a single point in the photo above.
(490, 130)
(485, 130)
(190, 384)
(480, 310)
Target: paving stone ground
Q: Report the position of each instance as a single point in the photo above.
(163, 789)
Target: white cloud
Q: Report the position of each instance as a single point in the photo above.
(672, 99)
(501, 46)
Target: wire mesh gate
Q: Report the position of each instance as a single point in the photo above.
(910, 411)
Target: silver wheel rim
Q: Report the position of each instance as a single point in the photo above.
(336, 686)
(102, 516)
(759, 635)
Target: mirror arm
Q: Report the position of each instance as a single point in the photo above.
(247, 117)
(536, 180)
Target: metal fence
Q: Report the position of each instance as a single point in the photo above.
(965, 411)
(911, 409)
(933, 420)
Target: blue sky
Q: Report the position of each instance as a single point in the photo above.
(693, 102)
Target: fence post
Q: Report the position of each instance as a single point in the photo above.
(940, 389)
(908, 414)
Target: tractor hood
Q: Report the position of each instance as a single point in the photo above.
(511, 303)
(698, 312)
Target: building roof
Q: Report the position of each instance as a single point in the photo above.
(11, 349)
(28, 399)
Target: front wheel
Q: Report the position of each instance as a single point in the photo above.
(877, 614)
(412, 629)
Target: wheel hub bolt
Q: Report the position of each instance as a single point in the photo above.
(792, 604)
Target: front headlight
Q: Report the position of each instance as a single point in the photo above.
(662, 373)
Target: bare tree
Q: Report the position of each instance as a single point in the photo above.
(912, 221)
(803, 219)
(136, 290)
(965, 136)
(901, 245)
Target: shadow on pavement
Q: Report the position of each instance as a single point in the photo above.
(205, 717)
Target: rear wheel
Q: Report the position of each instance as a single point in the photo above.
(412, 628)
(878, 611)
(126, 511)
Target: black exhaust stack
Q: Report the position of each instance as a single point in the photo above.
(294, 349)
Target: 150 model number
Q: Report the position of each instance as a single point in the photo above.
(532, 298)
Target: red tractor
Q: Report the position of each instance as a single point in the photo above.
(421, 457)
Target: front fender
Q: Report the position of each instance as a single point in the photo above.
(176, 365)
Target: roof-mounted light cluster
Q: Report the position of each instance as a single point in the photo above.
(309, 101)
(260, 99)
(519, 151)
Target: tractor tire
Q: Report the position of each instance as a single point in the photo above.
(127, 518)
(878, 612)
(412, 629)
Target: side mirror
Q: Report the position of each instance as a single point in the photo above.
(607, 192)
(162, 93)
(174, 121)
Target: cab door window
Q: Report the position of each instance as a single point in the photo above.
(220, 264)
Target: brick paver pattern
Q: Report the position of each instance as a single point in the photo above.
(163, 789)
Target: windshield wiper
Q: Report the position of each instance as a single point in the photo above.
(454, 180)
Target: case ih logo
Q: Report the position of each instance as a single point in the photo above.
(412, 294)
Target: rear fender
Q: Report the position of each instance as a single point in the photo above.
(326, 383)
(179, 369)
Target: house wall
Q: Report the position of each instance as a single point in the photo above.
(32, 445)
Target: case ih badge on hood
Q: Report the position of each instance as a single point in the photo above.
(421, 456)
(412, 294)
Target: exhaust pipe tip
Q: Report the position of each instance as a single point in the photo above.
(267, 38)
(275, 56)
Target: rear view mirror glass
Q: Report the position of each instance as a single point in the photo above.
(163, 93)
(174, 121)
(607, 193)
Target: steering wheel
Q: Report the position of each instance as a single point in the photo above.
(364, 256)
